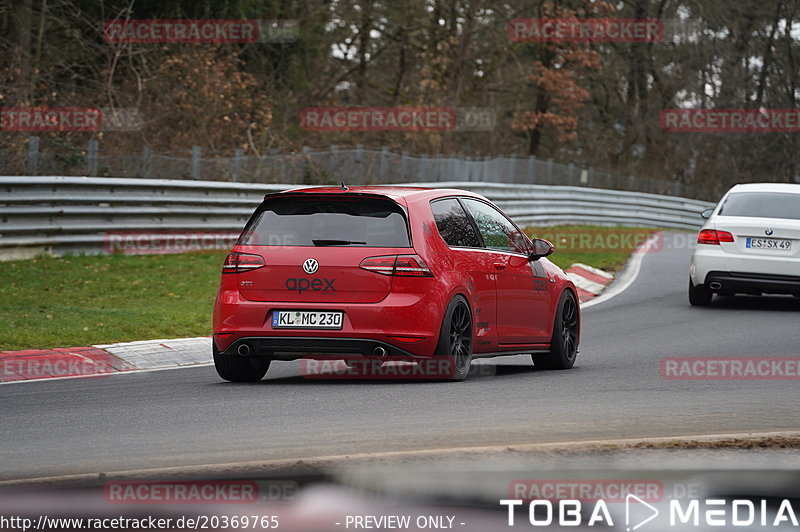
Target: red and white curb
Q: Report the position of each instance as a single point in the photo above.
(588, 280)
(154, 354)
(105, 359)
(148, 355)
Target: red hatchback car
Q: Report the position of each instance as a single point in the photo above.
(389, 273)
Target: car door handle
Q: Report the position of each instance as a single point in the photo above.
(499, 266)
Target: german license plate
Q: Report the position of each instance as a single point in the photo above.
(307, 319)
(769, 243)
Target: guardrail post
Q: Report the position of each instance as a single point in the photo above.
(237, 163)
(91, 156)
(196, 152)
(32, 163)
(426, 167)
(358, 165)
(305, 163)
(549, 171)
(383, 165)
(531, 162)
(336, 173)
(276, 173)
(145, 166)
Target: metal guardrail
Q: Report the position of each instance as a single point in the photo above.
(40, 214)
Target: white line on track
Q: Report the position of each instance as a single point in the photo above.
(626, 278)
(105, 375)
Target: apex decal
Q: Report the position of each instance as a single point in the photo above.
(301, 284)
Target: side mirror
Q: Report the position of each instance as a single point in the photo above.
(707, 213)
(541, 248)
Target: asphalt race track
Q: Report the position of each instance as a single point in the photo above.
(190, 417)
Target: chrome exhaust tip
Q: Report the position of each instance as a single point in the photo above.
(716, 285)
(244, 350)
(380, 352)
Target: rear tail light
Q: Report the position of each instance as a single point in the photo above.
(397, 265)
(713, 237)
(242, 262)
(411, 266)
(384, 265)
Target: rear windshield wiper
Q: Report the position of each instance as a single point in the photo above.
(332, 242)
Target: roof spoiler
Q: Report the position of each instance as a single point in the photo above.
(303, 192)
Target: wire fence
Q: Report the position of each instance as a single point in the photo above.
(353, 165)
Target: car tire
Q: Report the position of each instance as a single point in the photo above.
(236, 368)
(700, 295)
(454, 350)
(564, 342)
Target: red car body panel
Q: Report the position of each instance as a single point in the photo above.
(512, 300)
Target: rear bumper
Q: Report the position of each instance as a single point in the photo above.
(741, 282)
(416, 317)
(709, 259)
(292, 348)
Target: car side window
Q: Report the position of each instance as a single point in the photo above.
(454, 224)
(497, 231)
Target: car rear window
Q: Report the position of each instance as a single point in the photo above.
(762, 205)
(318, 221)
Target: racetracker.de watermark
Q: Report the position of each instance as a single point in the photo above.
(164, 242)
(378, 119)
(45, 367)
(58, 119)
(373, 369)
(196, 31)
(398, 119)
(730, 368)
(585, 490)
(730, 120)
(586, 30)
(604, 240)
(198, 491)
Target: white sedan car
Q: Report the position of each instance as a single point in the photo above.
(750, 244)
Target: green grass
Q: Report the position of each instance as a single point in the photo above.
(600, 251)
(78, 301)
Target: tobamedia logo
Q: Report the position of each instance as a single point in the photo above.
(675, 514)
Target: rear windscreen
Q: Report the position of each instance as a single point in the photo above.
(762, 205)
(316, 221)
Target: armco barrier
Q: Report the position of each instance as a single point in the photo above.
(42, 214)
